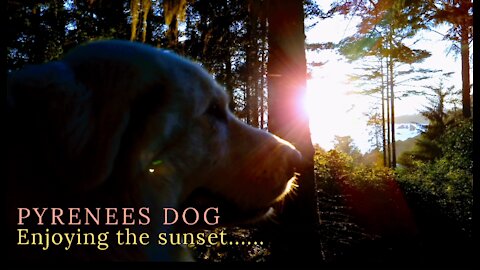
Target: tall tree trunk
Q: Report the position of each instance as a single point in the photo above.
(254, 97)
(246, 109)
(465, 53)
(392, 104)
(139, 8)
(172, 34)
(174, 11)
(254, 86)
(263, 32)
(135, 13)
(229, 79)
(252, 70)
(392, 118)
(387, 100)
(146, 5)
(297, 234)
(384, 141)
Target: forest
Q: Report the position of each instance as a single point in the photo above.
(394, 205)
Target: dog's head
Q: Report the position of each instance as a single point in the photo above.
(146, 124)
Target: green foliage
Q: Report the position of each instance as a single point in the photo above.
(458, 144)
(335, 167)
(339, 231)
(457, 15)
(345, 144)
(425, 208)
(438, 172)
(446, 182)
(405, 147)
(428, 146)
(383, 27)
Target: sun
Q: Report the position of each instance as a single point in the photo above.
(323, 104)
(332, 110)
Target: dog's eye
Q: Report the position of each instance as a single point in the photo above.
(216, 111)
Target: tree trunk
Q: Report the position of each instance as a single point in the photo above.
(229, 80)
(172, 35)
(263, 30)
(465, 53)
(384, 141)
(254, 103)
(134, 12)
(252, 70)
(387, 100)
(296, 237)
(146, 5)
(392, 111)
(246, 97)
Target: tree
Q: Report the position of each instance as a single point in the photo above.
(440, 187)
(286, 86)
(384, 27)
(174, 12)
(459, 15)
(372, 83)
(376, 132)
(345, 145)
(428, 147)
(217, 38)
(35, 32)
(139, 8)
(41, 31)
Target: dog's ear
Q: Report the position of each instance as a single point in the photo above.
(73, 139)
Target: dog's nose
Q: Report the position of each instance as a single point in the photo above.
(294, 158)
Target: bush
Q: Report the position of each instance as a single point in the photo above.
(445, 185)
(417, 213)
(369, 191)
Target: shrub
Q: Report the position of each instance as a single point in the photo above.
(445, 185)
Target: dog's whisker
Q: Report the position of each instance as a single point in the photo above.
(290, 187)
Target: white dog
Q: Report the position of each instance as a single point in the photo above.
(122, 124)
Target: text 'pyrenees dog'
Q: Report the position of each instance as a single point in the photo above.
(115, 133)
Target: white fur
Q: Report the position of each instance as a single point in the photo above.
(129, 105)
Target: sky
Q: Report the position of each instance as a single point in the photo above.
(333, 109)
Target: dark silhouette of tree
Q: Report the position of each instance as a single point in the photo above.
(35, 32)
(43, 31)
(286, 85)
(174, 12)
(217, 38)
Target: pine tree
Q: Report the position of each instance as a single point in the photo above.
(459, 15)
(429, 147)
(381, 33)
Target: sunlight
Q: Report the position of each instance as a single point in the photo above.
(290, 188)
(332, 110)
